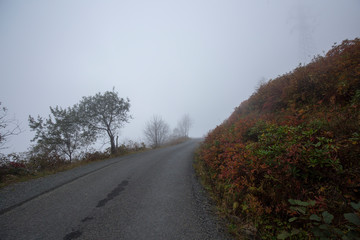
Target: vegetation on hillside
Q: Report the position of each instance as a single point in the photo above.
(286, 163)
(68, 130)
(19, 167)
(64, 140)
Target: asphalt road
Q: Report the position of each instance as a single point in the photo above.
(150, 195)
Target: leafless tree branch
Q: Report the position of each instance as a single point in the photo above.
(8, 127)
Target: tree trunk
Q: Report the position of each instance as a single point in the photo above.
(113, 147)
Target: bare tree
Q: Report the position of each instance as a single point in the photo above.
(156, 131)
(8, 127)
(184, 125)
(176, 133)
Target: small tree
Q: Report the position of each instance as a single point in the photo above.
(61, 133)
(156, 131)
(8, 127)
(176, 133)
(104, 114)
(184, 125)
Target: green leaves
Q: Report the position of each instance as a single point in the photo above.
(104, 113)
(67, 130)
(60, 134)
(298, 206)
(301, 203)
(285, 234)
(296, 137)
(327, 217)
(356, 206)
(352, 218)
(322, 226)
(299, 209)
(315, 217)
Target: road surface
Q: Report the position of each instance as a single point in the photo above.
(150, 195)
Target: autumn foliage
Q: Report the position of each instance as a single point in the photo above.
(296, 137)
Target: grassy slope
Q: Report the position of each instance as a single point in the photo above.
(296, 137)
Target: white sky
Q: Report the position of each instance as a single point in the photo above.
(201, 57)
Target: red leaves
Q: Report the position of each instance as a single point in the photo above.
(296, 137)
(17, 165)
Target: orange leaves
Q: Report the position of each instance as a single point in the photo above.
(296, 137)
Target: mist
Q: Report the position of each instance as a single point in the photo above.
(170, 58)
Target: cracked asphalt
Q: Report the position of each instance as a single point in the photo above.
(150, 195)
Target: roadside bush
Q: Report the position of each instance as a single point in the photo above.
(129, 147)
(13, 165)
(297, 137)
(42, 161)
(46, 162)
(95, 156)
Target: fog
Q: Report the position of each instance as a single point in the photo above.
(201, 57)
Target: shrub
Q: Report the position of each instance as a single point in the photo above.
(296, 137)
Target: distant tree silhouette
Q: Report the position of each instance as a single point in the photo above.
(156, 131)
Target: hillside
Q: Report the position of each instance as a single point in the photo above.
(287, 161)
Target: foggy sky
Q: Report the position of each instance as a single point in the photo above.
(201, 57)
